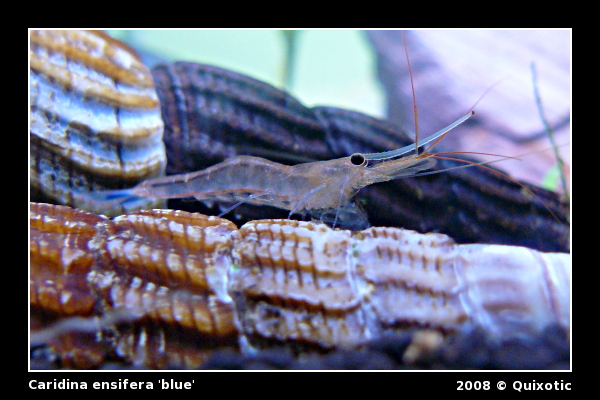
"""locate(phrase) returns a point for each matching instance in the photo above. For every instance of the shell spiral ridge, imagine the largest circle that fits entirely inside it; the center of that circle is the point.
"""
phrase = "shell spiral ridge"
(184, 276)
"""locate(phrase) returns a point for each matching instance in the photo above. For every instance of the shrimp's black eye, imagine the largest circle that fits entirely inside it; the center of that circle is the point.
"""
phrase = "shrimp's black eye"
(358, 160)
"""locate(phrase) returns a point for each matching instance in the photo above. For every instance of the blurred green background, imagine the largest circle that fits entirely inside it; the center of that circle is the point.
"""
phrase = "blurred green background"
(328, 67)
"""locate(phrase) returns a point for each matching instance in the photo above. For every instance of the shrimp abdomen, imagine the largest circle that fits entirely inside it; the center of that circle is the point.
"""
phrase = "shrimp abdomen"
(241, 178)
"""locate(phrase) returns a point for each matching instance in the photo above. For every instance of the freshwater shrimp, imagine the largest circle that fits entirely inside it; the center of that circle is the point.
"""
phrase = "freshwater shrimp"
(322, 189)
(316, 188)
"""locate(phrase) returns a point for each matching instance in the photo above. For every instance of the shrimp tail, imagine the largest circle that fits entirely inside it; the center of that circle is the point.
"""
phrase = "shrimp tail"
(109, 198)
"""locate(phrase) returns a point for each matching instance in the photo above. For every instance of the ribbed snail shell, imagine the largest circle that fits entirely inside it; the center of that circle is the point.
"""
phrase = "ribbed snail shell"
(168, 286)
(95, 118)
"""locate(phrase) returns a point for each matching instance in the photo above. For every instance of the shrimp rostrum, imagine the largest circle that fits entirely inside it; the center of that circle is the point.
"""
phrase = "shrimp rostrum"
(322, 189)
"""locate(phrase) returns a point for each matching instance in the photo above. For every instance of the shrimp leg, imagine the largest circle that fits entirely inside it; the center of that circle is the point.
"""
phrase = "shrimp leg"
(239, 203)
(305, 198)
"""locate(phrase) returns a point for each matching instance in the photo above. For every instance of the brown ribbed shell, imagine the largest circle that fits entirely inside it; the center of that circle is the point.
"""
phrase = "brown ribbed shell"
(160, 288)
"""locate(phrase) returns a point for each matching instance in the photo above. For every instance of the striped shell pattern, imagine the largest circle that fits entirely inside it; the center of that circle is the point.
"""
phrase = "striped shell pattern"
(277, 281)
(95, 118)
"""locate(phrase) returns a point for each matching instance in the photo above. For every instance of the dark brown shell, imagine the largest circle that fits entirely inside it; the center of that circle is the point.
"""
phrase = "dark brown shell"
(212, 113)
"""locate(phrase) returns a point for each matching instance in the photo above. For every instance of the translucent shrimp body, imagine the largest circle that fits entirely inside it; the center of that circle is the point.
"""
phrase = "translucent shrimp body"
(317, 188)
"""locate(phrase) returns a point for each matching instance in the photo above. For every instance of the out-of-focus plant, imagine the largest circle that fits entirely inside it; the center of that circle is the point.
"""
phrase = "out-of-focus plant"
(290, 42)
(557, 171)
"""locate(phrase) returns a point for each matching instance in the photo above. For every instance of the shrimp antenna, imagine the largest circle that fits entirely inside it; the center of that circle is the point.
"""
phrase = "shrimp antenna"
(414, 96)
(384, 155)
(436, 136)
